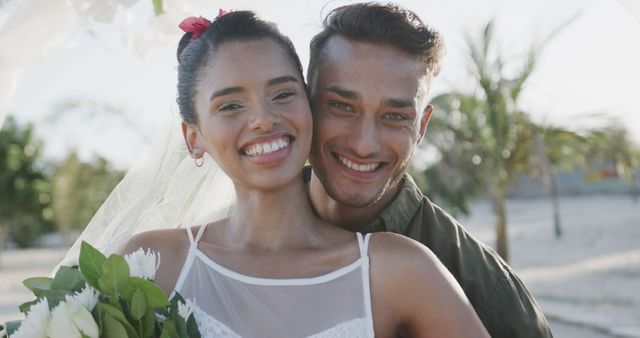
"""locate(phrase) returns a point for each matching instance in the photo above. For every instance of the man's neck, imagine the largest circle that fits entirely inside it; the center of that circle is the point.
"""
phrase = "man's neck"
(346, 217)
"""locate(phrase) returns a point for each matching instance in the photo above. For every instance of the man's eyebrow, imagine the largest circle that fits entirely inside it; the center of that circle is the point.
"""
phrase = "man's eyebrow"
(347, 94)
(398, 103)
(281, 79)
(226, 91)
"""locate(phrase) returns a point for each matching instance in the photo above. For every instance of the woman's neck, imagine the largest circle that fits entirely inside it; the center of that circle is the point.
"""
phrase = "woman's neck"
(272, 220)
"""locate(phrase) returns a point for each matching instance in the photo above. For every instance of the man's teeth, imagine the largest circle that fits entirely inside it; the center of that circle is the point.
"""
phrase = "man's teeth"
(267, 148)
(358, 167)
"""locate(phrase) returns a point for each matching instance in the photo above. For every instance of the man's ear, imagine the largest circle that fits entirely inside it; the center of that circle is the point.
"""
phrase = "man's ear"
(426, 115)
(191, 133)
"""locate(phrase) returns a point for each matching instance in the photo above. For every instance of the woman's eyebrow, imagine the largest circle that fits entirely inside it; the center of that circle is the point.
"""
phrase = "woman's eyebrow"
(226, 91)
(281, 79)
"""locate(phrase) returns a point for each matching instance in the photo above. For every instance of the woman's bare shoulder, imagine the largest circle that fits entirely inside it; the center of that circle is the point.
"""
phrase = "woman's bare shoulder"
(165, 240)
(394, 251)
(413, 290)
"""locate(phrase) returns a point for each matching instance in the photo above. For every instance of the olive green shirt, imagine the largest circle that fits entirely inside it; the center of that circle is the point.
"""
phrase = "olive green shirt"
(501, 300)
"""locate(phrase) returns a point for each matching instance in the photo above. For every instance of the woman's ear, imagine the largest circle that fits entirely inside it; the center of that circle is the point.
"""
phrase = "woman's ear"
(192, 138)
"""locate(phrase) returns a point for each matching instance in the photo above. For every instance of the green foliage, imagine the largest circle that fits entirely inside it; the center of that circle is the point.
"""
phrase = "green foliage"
(91, 262)
(115, 276)
(483, 138)
(157, 7)
(24, 190)
(127, 306)
(79, 189)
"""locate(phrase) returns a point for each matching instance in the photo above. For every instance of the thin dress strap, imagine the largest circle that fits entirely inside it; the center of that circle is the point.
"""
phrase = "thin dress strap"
(366, 289)
(194, 242)
(199, 234)
(363, 244)
(190, 235)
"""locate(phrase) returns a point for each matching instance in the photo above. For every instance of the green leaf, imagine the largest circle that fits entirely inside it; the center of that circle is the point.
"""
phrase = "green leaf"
(38, 285)
(91, 261)
(119, 316)
(12, 326)
(98, 314)
(25, 307)
(138, 305)
(169, 330)
(67, 279)
(157, 7)
(192, 328)
(55, 296)
(115, 275)
(148, 324)
(156, 298)
(181, 327)
(112, 327)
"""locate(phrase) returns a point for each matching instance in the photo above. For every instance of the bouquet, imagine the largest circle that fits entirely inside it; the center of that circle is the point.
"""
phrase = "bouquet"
(103, 297)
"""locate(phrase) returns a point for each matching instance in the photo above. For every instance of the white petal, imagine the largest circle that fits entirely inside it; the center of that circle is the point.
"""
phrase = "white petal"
(61, 325)
(84, 321)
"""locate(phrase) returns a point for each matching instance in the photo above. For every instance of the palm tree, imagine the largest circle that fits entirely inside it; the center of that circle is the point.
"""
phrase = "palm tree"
(613, 144)
(556, 149)
(484, 138)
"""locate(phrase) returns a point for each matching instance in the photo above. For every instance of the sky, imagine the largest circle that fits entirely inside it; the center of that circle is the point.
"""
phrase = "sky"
(98, 77)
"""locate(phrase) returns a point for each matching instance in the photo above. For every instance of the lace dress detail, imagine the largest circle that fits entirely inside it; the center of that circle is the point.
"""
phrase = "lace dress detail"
(355, 328)
(211, 327)
(233, 305)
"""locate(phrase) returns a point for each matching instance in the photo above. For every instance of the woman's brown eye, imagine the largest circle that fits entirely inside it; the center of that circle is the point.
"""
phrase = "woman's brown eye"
(230, 106)
(284, 95)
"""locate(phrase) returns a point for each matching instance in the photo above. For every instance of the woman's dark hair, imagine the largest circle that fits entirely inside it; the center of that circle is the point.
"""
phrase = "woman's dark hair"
(193, 55)
(381, 24)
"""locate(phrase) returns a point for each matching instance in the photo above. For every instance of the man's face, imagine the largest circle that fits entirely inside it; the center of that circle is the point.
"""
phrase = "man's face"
(370, 112)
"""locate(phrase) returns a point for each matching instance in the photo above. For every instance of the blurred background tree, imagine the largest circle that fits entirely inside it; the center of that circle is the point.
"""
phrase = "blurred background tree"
(78, 190)
(24, 190)
(612, 146)
(38, 196)
(483, 137)
(556, 150)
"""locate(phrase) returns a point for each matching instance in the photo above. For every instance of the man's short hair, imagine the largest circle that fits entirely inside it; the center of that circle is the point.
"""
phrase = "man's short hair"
(382, 24)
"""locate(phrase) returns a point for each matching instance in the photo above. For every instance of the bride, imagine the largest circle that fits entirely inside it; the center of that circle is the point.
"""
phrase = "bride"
(273, 268)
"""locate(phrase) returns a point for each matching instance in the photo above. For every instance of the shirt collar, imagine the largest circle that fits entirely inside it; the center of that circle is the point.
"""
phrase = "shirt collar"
(397, 216)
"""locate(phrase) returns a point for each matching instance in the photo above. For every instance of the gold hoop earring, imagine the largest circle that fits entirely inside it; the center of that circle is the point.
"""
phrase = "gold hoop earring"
(195, 159)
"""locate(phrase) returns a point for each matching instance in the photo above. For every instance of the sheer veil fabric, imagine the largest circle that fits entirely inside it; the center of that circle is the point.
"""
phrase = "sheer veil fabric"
(164, 190)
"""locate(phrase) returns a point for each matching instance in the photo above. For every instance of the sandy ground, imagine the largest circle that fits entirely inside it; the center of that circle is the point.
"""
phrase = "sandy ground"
(587, 282)
(590, 277)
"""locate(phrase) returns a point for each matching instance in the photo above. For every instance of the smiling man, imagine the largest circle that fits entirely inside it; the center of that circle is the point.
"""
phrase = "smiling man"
(369, 75)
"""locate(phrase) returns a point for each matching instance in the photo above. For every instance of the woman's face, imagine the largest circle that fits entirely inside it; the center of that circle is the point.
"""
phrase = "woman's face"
(253, 114)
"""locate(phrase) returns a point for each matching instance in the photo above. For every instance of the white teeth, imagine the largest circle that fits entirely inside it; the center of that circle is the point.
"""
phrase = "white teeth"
(267, 148)
(358, 167)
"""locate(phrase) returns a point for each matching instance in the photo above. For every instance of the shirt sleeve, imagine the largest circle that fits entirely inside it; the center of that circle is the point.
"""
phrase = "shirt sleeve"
(500, 298)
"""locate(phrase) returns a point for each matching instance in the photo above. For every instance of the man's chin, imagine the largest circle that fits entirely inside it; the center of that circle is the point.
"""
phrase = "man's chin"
(355, 201)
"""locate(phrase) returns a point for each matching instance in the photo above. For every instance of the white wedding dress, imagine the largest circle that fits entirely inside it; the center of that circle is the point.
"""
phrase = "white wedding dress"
(229, 304)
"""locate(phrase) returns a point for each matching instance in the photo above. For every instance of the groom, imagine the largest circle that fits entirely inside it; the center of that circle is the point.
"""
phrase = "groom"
(369, 74)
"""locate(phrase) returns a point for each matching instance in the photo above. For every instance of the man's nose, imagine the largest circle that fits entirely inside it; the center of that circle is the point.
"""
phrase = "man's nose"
(365, 138)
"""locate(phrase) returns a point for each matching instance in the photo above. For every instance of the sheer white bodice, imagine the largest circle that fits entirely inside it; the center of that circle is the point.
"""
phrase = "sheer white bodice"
(230, 304)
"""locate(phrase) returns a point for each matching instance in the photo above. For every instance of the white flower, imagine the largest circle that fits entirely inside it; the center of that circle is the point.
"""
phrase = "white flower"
(143, 264)
(3, 332)
(87, 297)
(185, 309)
(36, 322)
(71, 319)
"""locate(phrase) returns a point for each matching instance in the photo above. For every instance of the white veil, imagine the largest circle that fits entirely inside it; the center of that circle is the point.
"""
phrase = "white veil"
(164, 190)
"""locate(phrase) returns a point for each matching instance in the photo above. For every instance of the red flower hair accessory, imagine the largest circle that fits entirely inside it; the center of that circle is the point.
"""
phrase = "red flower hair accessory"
(194, 25)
